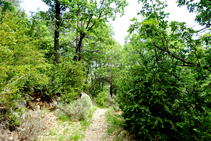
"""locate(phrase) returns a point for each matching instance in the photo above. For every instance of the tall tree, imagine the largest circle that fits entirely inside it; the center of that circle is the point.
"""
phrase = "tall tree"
(168, 72)
(89, 15)
(56, 11)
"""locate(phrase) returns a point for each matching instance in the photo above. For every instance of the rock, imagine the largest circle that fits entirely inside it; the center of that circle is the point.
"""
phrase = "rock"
(30, 104)
(38, 99)
(53, 104)
(37, 107)
(31, 98)
(24, 115)
(84, 95)
(43, 105)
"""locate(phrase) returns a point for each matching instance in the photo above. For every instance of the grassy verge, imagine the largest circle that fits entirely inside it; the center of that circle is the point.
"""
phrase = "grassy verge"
(115, 126)
(87, 122)
(115, 123)
(67, 128)
(75, 130)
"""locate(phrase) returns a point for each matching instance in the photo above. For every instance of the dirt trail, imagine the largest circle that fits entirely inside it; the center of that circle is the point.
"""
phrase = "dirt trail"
(98, 129)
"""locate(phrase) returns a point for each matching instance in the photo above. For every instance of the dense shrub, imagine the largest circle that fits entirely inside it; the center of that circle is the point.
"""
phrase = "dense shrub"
(67, 81)
(77, 110)
(104, 99)
(19, 70)
(165, 103)
(101, 99)
(27, 68)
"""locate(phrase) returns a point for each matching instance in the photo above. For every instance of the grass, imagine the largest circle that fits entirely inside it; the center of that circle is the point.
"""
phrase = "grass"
(77, 133)
(116, 126)
(74, 133)
(115, 123)
(70, 130)
(53, 132)
(63, 118)
(87, 122)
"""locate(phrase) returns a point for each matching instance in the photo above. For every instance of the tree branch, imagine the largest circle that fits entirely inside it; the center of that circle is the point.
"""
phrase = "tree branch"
(173, 55)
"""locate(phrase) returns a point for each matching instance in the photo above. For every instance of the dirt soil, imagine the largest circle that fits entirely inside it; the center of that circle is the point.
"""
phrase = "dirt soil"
(97, 131)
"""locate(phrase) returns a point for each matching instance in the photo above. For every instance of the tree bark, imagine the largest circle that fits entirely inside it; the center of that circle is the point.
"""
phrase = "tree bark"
(115, 91)
(56, 33)
(77, 57)
(111, 87)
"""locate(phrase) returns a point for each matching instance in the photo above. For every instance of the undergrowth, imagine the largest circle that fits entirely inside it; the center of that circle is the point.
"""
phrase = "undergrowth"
(115, 125)
(74, 118)
(31, 125)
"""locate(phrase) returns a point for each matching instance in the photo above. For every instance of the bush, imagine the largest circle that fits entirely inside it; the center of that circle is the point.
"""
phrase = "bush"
(104, 99)
(101, 98)
(10, 119)
(165, 104)
(31, 125)
(78, 110)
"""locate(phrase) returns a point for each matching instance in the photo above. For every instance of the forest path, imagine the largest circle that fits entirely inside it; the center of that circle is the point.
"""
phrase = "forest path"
(97, 131)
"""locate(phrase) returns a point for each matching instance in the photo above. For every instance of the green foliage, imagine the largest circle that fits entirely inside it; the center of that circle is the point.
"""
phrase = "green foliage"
(70, 80)
(19, 70)
(67, 81)
(163, 97)
(202, 8)
(101, 98)
(115, 126)
(104, 99)
(165, 104)
(76, 135)
(115, 122)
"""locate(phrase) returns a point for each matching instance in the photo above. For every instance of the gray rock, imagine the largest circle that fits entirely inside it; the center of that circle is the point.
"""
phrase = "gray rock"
(84, 95)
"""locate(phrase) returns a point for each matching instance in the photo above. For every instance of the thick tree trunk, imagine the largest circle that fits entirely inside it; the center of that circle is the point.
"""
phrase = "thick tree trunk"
(56, 33)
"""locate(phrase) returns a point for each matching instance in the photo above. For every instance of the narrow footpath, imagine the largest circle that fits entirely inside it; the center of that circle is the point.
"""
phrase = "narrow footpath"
(97, 131)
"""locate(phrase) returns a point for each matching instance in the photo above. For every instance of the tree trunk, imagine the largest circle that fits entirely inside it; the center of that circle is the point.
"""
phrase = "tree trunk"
(115, 90)
(56, 34)
(111, 87)
(77, 57)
